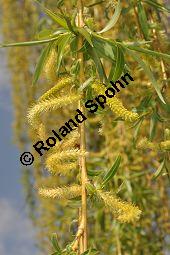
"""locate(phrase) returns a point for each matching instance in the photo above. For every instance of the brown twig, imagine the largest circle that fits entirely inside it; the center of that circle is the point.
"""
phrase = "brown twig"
(83, 237)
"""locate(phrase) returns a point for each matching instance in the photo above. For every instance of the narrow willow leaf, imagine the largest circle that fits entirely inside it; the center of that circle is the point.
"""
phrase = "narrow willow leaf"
(60, 31)
(85, 84)
(137, 43)
(109, 175)
(94, 172)
(112, 69)
(98, 63)
(148, 71)
(114, 18)
(157, 5)
(153, 124)
(85, 34)
(73, 18)
(44, 34)
(55, 17)
(104, 49)
(41, 62)
(90, 188)
(55, 242)
(137, 129)
(60, 3)
(109, 50)
(61, 47)
(31, 43)
(143, 20)
(96, 3)
(69, 24)
(146, 101)
(150, 52)
(75, 67)
(120, 62)
(90, 252)
(159, 170)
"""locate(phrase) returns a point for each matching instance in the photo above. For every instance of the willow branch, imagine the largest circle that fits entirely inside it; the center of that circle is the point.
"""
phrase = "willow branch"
(83, 169)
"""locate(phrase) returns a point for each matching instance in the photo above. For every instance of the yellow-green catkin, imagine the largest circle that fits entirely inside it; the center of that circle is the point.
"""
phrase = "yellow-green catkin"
(165, 145)
(50, 66)
(146, 144)
(61, 193)
(52, 93)
(115, 104)
(62, 161)
(50, 101)
(123, 211)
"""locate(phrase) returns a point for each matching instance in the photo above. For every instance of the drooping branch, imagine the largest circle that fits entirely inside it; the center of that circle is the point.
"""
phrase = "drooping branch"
(83, 224)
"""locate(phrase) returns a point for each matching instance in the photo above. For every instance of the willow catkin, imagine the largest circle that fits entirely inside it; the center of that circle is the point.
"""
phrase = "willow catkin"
(61, 193)
(144, 143)
(123, 211)
(52, 93)
(62, 161)
(165, 145)
(49, 105)
(115, 104)
(50, 66)
(50, 101)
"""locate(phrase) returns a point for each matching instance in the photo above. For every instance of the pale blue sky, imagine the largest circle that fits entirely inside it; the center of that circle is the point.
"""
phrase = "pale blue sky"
(16, 231)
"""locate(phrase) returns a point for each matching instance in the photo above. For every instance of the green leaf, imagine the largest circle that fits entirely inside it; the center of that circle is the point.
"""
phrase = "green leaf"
(104, 49)
(137, 43)
(137, 128)
(60, 31)
(90, 188)
(109, 50)
(75, 68)
(60, 3)
(73, 18)
(149, 73)
(157, 5)
(144, 104)
(69, 24)
(61, 47)
(90, 252)
(112, 70)
(55, 242)
(85, 84)
(56, 17)
(153, 124)
(97, 62)
(159, 170)
(111, 172)
(41, 61)
(114, 18)
(85, 34)
(44, 34)
(31, 43)
(120, 62)
(143, 20)
(150, 52)
(96, 3)
(94, 172)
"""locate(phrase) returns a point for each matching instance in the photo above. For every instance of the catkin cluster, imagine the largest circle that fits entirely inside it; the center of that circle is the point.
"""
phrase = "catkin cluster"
(63, 157)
